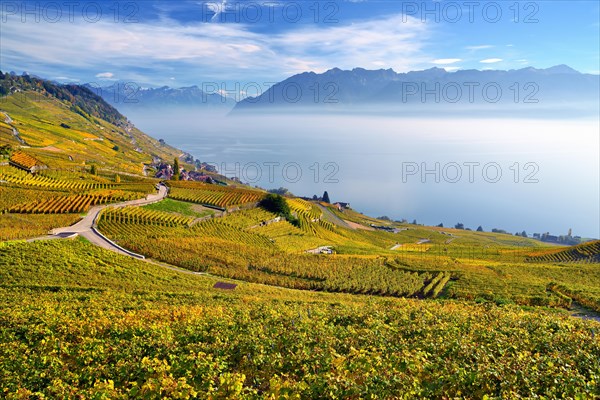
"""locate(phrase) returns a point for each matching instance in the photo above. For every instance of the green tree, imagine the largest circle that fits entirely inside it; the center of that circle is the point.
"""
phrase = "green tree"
(277, 204)
(176, 175)
(479, 229)
(93, 170)
(282, 191)
(326, 197)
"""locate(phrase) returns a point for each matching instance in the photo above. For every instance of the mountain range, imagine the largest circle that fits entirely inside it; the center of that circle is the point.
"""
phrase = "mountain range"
(360, 89)
(129, 95)
(336, 88)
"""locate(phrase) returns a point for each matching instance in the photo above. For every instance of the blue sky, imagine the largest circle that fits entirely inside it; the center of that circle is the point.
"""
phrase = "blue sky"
(182, 43)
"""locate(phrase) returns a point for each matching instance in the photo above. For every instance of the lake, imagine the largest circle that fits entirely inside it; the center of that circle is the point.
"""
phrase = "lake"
(537, 175)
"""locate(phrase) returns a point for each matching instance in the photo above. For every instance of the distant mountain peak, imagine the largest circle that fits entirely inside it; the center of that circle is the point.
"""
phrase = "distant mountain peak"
(562, 69)
(434, 69)
(334, 70)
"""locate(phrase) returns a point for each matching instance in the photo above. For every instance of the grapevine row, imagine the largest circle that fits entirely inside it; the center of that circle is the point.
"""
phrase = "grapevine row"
(65, 204)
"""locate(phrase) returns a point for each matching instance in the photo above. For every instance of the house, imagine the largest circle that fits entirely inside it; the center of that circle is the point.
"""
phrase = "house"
(342, 206)
(26, 162)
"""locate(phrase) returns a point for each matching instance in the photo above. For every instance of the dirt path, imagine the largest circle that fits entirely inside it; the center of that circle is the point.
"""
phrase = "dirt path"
(354, 225)
(578, 311)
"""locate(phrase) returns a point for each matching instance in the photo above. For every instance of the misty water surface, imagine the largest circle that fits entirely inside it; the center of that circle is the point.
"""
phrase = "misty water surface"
(514, 174)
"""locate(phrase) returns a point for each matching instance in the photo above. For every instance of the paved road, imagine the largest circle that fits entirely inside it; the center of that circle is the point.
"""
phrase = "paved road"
(85, 226)
(85, 229)
(334, 219)
(9, 120)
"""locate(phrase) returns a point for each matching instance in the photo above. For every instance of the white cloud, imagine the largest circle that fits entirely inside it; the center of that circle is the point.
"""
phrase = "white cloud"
(442, 61)
(480, 47)
(490, 60)
(223, 50)
(105, 75)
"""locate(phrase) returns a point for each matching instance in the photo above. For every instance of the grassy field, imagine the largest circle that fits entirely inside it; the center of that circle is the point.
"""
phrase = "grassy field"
(150, 332)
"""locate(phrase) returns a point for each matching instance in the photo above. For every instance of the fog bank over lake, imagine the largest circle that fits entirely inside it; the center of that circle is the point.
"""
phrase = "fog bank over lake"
(536, 175)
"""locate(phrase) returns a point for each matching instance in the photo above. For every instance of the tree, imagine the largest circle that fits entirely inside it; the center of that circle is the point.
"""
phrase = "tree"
(414, 222)
(459, 226)
(441, 225)
(524, 234)
(479, 229)
(281, 191)
(175, 176)
(326, 197)
(5, 150)
(278, 205)
(93, 170)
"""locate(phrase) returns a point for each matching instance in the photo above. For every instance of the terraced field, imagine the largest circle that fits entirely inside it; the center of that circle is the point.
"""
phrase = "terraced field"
(223, 197)
(586, 252)
(77, 203)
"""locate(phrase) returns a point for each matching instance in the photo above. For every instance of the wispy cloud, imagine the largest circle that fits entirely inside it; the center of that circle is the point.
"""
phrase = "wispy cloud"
(202, 50)
(490, 60)
(443, 61)
(479, 47)
(65, 79)
(105, 75)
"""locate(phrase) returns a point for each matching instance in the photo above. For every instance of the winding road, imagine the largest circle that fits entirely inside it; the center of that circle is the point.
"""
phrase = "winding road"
(8, 120)
(87, 226)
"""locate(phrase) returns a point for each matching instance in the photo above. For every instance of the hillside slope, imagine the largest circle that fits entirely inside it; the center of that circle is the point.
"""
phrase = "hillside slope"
(586, 252)
(69, 127)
